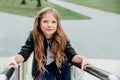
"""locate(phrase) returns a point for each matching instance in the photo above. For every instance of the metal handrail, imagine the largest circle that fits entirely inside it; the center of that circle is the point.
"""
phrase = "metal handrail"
(7, 73)
(10, 73)
(99, 73)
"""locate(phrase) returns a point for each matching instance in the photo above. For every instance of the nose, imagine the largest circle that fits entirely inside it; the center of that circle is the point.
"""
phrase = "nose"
(49, 24)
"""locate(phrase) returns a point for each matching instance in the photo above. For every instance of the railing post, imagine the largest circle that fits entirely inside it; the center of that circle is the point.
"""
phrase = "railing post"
(17, 73)
(23, 71)
(26, 69)
(72, 73)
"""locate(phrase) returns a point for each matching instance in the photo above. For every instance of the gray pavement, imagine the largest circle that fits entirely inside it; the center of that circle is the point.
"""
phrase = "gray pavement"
(13, 32)
(95, 38)
(87, 11)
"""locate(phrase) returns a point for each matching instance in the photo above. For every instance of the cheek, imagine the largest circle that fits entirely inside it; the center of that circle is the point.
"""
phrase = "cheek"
(42, 28)
(42, 25)
(56, 28)
(55, 25)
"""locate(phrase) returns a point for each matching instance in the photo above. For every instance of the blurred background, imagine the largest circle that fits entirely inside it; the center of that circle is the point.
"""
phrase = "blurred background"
(93, 27)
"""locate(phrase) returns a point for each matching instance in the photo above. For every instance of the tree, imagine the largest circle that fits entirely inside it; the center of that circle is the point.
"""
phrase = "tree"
(23, 2)
(39, 3)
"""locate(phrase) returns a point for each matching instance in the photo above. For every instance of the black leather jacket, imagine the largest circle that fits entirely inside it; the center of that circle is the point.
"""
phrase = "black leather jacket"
(28, 48)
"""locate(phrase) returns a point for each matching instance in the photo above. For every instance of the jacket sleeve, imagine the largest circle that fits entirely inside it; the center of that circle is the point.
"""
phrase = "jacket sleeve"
(69, 51)
(28, 47)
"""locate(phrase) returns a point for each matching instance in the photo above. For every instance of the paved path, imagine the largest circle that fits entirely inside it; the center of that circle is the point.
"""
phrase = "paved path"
(13, 30)
(93, 13)
(98, 37)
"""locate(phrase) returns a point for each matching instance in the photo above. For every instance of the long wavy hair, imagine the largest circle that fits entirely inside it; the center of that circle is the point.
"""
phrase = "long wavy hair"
(58, 43)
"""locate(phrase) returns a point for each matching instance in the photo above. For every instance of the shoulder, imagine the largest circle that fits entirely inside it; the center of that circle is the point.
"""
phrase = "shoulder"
(30, 37)
(30, 34)
(68, 43)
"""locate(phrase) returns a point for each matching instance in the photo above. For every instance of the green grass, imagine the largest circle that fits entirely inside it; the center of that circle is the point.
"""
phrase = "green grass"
(30, 9)
(106, 5)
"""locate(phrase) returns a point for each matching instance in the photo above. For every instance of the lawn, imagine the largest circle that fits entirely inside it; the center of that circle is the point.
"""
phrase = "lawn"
(106, 5)
(30, 9)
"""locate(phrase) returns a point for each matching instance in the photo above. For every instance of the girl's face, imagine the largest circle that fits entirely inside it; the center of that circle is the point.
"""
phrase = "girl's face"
(48, 25)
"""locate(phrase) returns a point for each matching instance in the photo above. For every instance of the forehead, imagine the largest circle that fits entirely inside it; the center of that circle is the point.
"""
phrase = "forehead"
(49, 16)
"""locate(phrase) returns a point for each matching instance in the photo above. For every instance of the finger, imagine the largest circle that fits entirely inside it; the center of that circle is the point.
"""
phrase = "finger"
(82, 66)
(12, 66)
(86, 65)
(16, 65)
(7, 65)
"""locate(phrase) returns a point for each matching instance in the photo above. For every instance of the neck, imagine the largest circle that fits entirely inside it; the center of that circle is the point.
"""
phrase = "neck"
(48, 37)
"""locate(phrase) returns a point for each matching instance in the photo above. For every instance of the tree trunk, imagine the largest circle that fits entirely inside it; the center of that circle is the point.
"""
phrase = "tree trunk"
(39, 3)
(23, 2)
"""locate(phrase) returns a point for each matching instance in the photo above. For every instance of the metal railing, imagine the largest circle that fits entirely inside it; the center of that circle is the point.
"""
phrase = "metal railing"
(97, 72)
(101, 74)
(10, 74)
(6, 74)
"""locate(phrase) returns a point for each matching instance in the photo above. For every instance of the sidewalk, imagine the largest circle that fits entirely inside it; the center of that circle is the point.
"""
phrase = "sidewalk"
(13, 32)
(91, 12)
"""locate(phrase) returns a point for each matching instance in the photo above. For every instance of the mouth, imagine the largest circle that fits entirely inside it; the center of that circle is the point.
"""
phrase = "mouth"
(49, 29)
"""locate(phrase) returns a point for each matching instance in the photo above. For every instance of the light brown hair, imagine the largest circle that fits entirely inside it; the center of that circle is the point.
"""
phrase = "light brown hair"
(58, 44)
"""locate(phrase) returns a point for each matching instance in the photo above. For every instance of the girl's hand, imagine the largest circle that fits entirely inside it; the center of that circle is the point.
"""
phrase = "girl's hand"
(11, 63)
(84, 63)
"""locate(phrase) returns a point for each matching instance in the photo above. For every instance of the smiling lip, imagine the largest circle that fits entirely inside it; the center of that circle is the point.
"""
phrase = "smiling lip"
(48, 29)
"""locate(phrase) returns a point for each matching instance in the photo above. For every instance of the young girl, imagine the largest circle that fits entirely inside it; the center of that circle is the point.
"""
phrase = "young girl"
(53, 52)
